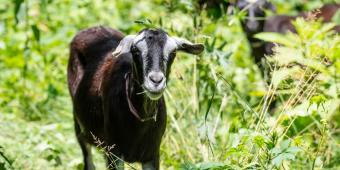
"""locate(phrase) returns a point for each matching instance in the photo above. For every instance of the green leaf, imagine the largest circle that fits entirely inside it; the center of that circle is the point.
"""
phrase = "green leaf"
(146, 22)
(36, 32)
(317, 65)
(286, 55)
(259, 140)
(17, 6)
(326, 28)
(282, 74)
(318, 100)
(293, 149)
(277, 161)
(283, 39)
(213, 166)
(284, 144)
(209, 104)
(275, 151)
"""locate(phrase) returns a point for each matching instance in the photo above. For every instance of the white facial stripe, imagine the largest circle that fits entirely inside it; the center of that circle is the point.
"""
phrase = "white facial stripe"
(142, 46)
(138, 37)
(170, 45)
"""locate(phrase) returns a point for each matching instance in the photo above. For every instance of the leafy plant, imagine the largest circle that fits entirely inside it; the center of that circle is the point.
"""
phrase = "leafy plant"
(219, 114)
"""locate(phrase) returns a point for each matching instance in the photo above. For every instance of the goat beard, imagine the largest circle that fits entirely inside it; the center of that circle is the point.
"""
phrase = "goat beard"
(150, 107)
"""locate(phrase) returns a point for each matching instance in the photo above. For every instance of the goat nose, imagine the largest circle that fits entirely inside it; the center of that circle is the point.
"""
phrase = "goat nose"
(156, 77)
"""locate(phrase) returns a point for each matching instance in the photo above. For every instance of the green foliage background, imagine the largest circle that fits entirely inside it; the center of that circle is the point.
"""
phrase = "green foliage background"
(218, 102)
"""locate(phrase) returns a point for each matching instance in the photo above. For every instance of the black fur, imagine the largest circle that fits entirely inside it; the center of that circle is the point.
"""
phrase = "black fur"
(97, 83)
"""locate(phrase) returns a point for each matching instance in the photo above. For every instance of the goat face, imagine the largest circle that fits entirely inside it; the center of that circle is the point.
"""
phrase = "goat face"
(153, 52)
(256, 13)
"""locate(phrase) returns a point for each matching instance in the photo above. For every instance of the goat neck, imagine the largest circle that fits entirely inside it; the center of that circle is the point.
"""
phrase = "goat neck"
(140, 105)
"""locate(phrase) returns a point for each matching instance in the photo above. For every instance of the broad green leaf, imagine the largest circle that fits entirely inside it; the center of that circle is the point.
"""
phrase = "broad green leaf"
(277, 161)
(284, 144)
(283, 39)
(326, 28)
(213, 166)
(312, 63)
(286, 55)
(293, 149)
(275, 151)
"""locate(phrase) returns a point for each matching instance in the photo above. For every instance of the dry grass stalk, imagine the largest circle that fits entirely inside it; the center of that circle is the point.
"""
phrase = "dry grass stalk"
(107, 150)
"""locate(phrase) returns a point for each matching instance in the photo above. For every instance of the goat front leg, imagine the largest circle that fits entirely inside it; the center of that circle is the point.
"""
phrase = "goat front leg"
(114, 159)
(85, 148)
(151, 165)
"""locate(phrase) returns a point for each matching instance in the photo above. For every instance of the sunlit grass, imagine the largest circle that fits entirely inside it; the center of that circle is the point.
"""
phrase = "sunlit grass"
(220, 111)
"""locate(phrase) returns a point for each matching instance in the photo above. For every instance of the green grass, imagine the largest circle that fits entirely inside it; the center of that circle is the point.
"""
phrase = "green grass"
(218, 102)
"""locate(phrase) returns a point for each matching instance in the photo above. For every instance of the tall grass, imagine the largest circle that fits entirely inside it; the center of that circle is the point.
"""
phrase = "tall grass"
(220, 110)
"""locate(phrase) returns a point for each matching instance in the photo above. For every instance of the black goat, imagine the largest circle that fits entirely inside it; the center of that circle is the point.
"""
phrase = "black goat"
(255, 17)
(254, 23)
(116, 84)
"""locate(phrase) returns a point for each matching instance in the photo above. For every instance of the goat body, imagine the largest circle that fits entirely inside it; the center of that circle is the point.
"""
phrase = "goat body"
(97, 83)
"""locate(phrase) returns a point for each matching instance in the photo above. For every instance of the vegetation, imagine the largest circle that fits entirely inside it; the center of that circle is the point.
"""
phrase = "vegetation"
(222, 114)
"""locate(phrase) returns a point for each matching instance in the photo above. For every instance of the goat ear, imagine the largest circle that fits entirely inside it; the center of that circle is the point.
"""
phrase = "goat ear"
(188, 47)
(124, 45)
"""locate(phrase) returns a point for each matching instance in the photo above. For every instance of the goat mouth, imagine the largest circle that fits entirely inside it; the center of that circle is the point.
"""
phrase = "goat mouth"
(154, 95)
(154, 92)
